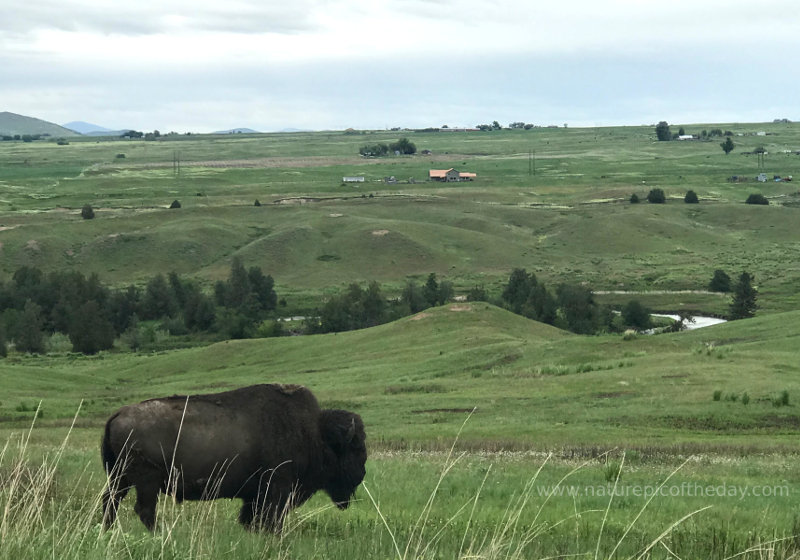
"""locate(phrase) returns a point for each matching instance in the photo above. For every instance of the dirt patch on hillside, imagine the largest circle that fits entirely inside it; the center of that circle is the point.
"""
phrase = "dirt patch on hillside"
(460, 308)
(6, 228)
(380, 232)
(612, 394)
(420, 316)
(33, 245)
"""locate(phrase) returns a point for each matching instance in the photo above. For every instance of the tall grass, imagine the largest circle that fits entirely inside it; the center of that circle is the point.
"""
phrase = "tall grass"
(48, 510)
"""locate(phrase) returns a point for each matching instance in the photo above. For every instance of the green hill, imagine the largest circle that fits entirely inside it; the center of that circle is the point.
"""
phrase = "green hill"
(12, 124)
(415, 380)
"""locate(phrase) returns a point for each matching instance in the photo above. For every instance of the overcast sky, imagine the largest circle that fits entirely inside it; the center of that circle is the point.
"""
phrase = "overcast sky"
(197, 65)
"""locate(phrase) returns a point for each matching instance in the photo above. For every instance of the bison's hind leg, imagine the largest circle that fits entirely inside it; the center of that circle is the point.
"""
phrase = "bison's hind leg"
(146, 502)
(112, 496)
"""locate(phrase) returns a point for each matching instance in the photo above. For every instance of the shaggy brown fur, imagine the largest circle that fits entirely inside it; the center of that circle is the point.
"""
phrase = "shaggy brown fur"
(269, 445)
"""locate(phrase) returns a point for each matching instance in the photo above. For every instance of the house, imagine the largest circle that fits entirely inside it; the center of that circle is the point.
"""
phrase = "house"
(450, 175)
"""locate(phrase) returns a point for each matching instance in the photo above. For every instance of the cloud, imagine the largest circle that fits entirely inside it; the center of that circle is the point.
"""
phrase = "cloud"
(203, 66)
(146, 17)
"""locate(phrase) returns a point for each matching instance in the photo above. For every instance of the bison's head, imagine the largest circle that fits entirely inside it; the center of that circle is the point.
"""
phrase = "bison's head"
(343, 433)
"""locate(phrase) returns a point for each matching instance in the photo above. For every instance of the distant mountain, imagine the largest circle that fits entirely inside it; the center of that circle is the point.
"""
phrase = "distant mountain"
(107, 132)
(82, 127)
(11, 124)
(237, 131)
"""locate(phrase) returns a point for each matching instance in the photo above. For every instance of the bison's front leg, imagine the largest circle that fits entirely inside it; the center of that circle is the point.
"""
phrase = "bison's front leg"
(262, 517)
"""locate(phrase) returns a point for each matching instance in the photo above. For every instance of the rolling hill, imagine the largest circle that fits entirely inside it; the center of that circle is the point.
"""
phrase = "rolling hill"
(11, 124)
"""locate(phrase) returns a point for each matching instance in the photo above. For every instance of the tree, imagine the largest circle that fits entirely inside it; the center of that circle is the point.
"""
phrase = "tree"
(175, 204)
(413, 298)
(691, 198)
(757, 198)
(681, 131)
(90, 331)
(29, 336)
(727, 146)
(720, 282)
(656, 196)
(374, 150)
(636, 315)
(579, 309)
(3, 347)
(403, 146)
(430, 290)
(634, 198)
(662, 132)
(517, 290)
(87, 212)
(743, 305)
(158, 300)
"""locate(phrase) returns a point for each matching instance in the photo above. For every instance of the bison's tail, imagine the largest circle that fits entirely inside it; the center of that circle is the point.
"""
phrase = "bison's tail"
(107, 454)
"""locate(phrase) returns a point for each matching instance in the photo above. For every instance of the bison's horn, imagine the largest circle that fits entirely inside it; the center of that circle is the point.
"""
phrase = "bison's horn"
(351, 431)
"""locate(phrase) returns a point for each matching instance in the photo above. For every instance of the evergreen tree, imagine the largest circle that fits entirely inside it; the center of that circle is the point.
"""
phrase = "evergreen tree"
(579, 309)
(727, 146)
(29, 336)
(720, 282)
(518, 289)
(158, 300)
(656, 196)
(743, 305)
(90, 331)
(412, 297)
(3, 346)
(262, 288)
(430, 290)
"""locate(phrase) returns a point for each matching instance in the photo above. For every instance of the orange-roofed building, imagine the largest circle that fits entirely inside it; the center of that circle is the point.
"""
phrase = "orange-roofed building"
(450, 175)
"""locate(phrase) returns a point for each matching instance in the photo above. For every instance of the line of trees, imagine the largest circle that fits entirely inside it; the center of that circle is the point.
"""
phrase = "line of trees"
(35, 305)
(403, 146)
(571, 307)
(360, 308)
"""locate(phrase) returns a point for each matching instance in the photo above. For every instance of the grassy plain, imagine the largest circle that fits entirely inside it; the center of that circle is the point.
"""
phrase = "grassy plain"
(541, 397)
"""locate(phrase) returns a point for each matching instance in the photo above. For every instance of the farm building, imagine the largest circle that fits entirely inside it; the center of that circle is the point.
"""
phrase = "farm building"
(450, 175)
(353, 179)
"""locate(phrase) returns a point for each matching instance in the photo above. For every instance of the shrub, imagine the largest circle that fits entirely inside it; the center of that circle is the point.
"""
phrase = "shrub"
(757, 198)
(120, 156)
(745, 398)
(87, 212)
(717, 395)
(634, 198)
(656, 196)
(175, 204)
(691, 198)
(257, 203)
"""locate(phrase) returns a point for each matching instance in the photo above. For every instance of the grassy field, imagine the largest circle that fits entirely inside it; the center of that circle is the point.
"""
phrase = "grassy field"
(710, 413)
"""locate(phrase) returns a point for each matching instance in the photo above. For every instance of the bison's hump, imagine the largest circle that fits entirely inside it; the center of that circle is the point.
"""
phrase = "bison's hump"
(289, 388)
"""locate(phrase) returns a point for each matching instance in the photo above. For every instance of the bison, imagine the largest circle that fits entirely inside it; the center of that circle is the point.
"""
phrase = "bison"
(269, 445)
